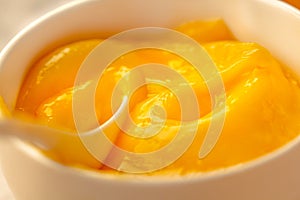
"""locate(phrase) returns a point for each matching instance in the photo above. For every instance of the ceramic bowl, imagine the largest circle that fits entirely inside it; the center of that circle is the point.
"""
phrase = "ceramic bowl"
(33, 176)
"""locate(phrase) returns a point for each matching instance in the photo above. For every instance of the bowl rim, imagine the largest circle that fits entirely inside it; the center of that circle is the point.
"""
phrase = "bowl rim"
(34, 153)
(13, 41)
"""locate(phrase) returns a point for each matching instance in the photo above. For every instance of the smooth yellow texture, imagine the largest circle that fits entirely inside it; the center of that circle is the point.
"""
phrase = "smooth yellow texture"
(4, 112)
(263, 98)
(53, 73)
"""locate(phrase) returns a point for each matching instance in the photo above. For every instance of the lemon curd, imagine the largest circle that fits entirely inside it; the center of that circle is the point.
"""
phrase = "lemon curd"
(262, 98)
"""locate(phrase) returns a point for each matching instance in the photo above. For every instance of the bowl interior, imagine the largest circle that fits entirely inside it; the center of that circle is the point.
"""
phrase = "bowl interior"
(274, 25)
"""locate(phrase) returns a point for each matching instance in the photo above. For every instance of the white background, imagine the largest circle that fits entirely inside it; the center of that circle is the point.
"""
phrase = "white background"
(14, 15)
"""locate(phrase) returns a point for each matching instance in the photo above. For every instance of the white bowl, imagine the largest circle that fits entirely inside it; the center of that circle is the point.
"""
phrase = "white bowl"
(32, 176)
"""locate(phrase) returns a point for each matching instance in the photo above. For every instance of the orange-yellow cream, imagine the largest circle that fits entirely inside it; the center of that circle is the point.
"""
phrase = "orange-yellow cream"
(263, 97)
